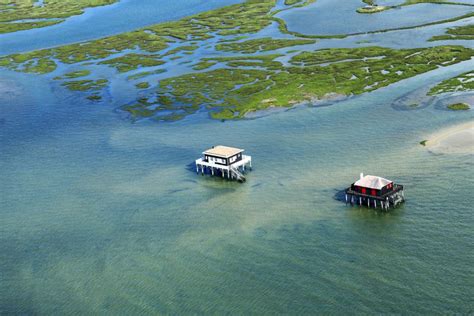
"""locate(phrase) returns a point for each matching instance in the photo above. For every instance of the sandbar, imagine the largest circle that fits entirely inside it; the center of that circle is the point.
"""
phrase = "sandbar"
(456, 139)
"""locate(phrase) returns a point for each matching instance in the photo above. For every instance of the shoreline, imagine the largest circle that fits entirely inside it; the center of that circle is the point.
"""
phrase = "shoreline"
(457, 139)
(326, 100)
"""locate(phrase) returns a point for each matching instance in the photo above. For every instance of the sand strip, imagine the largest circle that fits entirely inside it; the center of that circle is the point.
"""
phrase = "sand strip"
(457, 139)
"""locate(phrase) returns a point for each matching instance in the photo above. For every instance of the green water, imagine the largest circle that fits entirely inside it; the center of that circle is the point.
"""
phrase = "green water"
(103, 216)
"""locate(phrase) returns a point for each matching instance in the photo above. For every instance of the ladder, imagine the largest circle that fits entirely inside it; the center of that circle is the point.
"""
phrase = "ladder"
(238, 175)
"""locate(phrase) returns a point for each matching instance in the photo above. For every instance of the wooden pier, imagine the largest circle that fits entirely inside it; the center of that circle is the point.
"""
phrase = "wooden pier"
(375, 192)
(224, 161)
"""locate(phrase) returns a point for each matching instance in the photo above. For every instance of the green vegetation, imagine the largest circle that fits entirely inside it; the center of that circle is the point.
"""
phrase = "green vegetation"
(261, 45)
(142, 85)
(144, 108)
(28, 14)
(185, 49)
(74, 74)
(133, 61)
(39, 66)
(373, 9)
(204, 65)
(292, 2)
(232, 39)
(85, 85)
(240, 84)
(260, 61)
(459, 107)
(298, 3)
(465, 32)
(15, 27)
(230, 93)
(248, 17)
(146, 74)
(463, 82)
(94, 98)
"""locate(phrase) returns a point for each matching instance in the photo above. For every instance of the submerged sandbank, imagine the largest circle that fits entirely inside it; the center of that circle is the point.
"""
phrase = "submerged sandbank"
(457, 139)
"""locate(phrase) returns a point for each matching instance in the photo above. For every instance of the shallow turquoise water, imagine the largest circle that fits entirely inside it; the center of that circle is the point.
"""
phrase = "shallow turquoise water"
(99, 214)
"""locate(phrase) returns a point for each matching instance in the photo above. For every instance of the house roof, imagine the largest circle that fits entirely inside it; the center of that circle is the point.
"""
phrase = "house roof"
(223, 151)
(372, 182)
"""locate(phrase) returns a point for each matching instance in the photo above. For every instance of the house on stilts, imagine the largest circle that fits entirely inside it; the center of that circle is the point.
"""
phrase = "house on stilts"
(375, 191)
(227, 162)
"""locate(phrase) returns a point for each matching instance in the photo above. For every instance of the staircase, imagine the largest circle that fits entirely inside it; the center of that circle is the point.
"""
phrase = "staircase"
(237, 174)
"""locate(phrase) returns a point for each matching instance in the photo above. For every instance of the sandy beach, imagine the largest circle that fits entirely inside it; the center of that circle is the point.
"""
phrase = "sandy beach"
(457, 139)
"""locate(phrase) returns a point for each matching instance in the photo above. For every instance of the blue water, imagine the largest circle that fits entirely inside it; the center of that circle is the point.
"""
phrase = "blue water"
(326, 17)
(123, 16)
(102, 215)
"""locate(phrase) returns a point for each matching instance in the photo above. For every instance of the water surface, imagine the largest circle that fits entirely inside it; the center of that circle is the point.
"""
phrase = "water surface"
(126, 15)
(324, 17)
(101, 215)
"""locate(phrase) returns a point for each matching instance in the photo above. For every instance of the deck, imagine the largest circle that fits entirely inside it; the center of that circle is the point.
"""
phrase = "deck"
(246, 160)
(391, 198)
(396, 188)
(234, 171)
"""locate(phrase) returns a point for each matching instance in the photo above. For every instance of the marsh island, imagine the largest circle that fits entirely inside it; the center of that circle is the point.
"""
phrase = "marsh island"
(258, 73)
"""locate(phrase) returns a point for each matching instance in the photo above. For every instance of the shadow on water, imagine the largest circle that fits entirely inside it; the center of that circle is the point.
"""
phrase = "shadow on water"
(191, 167)
(340, 195)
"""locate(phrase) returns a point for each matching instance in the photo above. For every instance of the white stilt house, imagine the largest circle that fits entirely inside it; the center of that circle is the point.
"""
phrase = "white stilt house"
(229, 162)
